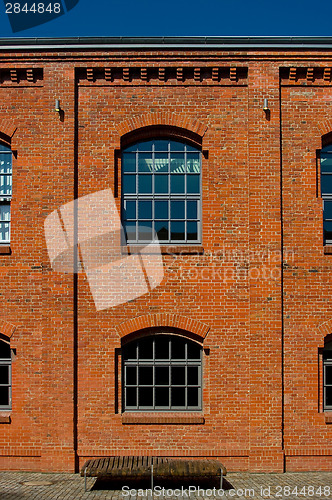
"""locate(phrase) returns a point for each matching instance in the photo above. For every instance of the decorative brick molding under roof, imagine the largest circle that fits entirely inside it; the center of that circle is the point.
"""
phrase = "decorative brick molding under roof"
(163, 320)
(17, 76)
(305, 76)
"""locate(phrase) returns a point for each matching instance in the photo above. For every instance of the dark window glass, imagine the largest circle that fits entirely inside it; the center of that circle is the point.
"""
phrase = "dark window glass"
(146, 348)
(129, 183)
(192, 233)
(161, 184)
(328, 375)
(161, 163)
(162, 397)
(326, 163)
(4, 350)
(130, 352)
(177, 183)
(161, 209)
(178, 348)
(145, 231)
(192, 375)
(177, 210)
(194, 351)
(193, 163)
(161, 145)
(328, 230)
(129, 162)
(145, 375)
(131, 374)
(177, 229)
(191, 209)
(130, 228)
(4, 396)
(144, 146)
(161, 375)
(4, 374)
(178, 375)
(326, 184)
(130, 209)
(162, 348)
(145, 209)
(145, 163)
(178, 163)
(145, 184)
(192, 396)
(145, 396)
(178, 395)
(161, 228)
(193, 183)
(328, 396)
(131, 396)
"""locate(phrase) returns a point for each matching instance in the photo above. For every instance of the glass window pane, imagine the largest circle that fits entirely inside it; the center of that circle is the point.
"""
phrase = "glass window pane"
(192, 184)
(145, 231)
(161, 375)
(177, 146)
(4, 396)
(145, 146)
(131, 396)
(193, 351)
(161, 145)
(192, 395)
(193, 163)
(145, 209)
(130, 210)
(4, 231)
(178, 396)
(192, 234)
(177, 163)
(328, 374)
(178, 375)
(161, 184)
(177, 231)
(145, 184)
(3, 147)
(130, 351)
(129, 184)
(131, 375)
(178, 348)
(130, 229)
(161, 209)
(145, 162)
(191, 209)
(5, 163)
(146, 348)
(161, 228)
(327, 209)
(131, 148)
(326, 163)
(145, 396)
(5, 185)
(192, 375)
(162, 396)
(4, 374)
(326, 184)
(129, 162)
(162, 348)
(328, 230)
(161, 162)
(177, 209)
(191, 148)
(145, 375)
(177, 183)
(4, 350)
(328, 395)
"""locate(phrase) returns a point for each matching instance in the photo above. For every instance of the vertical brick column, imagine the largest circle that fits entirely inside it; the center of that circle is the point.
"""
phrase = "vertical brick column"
(265, 409)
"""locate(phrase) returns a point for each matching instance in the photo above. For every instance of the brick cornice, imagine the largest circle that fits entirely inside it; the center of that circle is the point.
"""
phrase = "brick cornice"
(163, 320)
(6, 328)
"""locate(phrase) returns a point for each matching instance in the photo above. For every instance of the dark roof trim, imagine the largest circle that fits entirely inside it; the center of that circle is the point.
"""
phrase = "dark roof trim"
(208, 42)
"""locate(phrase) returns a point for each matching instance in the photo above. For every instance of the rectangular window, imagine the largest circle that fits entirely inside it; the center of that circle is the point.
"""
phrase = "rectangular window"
(5, 376)
(5, 192)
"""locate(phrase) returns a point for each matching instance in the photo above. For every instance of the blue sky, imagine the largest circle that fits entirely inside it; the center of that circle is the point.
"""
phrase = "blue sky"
(182, 18)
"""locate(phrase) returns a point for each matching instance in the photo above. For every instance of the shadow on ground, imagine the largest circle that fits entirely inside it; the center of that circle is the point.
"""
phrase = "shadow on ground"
(145, 484)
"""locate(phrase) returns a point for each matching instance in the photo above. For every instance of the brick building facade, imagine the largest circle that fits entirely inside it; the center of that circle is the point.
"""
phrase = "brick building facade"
(243, 307)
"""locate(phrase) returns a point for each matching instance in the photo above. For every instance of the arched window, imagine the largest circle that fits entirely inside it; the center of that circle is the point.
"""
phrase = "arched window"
(161, 192)
(326, 191)
(327, 376)
(5, 192)
(5, 376)
(162, 372)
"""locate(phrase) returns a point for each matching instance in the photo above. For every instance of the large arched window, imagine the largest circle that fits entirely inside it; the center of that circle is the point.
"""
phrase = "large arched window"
(161, 192)
(327, 376)
(5, 376)
(162, 372)
(5, 192)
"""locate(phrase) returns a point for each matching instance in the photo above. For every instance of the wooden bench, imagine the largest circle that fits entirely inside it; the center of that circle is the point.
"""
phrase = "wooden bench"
(133, 468)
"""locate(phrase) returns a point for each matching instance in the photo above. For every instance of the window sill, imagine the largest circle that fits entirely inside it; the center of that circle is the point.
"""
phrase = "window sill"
(163, 418)
(165, 249)
(5, 417)
(5, 249)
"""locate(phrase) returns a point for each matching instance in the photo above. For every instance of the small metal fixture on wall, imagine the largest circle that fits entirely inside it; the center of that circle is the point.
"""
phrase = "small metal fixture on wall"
(57, 106)
(266, 108)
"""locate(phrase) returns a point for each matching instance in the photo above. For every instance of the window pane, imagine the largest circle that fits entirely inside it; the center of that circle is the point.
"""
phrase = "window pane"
(145, 231)
(161, 184)
(4, 396)
(4, 231)
(192, 395)
(161, 228)
(130, 351)
(162, 396)
(328, 374)
(4, 374)
(193, 163)
(129, 162)
(177, 183)
(4, 350)
(178, 348)
(193, 183)
(328, 395)
(192, 375)
(161, 145)
(177, 146)
(129, 184)
(191, 209)
(326, 184)
(5, 185)
(145, 209)
(178, 376)
(144, 184)
(130, 228)
(130, 210)
(131, 396)
(177, 209)
(131, 375)
(145, 375)
(5, 163)
(161, 209)
(177, 231)
(193, 351)
(326, 163)
(146, 349)
(177, 163)
(145, 146)
(161, 162)
(178, 397)
(161, 375)
(192, 231)
(145, 396)
(327, 230)
(162, 348)
(145, 162)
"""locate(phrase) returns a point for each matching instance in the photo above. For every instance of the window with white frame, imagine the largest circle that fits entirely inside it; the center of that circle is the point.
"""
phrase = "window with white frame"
(161, 192)
(5, 376)
(5, 192)
(162, 373)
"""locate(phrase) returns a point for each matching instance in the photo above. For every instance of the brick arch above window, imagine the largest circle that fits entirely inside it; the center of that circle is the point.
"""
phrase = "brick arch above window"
(177, 321)
(6, 329)
(7, 129)
(324, 127)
